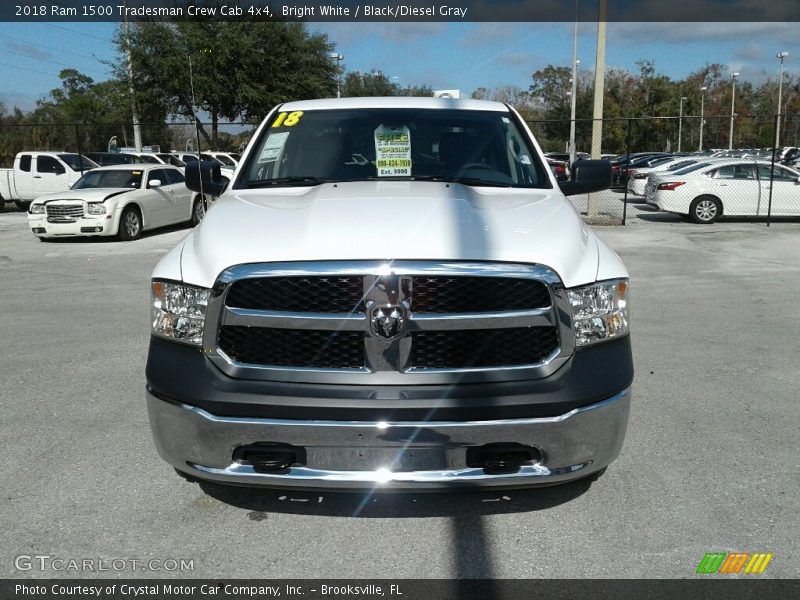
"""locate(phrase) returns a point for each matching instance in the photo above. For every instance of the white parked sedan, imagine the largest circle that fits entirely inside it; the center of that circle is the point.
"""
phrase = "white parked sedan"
(637, 179)
(120, 200)
(736, 187)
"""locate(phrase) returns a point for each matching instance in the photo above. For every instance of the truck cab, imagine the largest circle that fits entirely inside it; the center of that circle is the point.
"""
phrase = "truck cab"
(39, 173)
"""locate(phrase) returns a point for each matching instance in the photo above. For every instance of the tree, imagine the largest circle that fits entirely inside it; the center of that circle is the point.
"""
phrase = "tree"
(375, 83)
(230, 70)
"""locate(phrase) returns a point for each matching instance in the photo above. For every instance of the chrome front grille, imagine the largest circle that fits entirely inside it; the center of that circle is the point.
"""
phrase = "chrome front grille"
(388, 323)
(64, 212)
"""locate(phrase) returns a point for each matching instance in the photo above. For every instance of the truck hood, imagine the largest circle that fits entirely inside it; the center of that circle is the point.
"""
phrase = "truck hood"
(385, 220)
(86, 195)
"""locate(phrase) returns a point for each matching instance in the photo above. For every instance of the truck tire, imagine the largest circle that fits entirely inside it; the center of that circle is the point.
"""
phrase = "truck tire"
(130, 224)
(22, 205)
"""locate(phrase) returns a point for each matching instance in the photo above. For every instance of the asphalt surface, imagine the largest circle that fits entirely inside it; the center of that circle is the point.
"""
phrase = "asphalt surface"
(710, 462)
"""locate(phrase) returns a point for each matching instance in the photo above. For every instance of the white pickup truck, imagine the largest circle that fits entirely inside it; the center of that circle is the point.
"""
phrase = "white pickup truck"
(390, 293)
(38, 173)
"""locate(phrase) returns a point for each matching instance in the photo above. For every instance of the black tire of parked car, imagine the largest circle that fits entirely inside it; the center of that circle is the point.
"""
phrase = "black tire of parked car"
(130, 224)
(705, 209)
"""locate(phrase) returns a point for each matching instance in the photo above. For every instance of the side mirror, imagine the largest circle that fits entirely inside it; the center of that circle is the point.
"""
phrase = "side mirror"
(205, 176)
(154, 183)
(588, 176)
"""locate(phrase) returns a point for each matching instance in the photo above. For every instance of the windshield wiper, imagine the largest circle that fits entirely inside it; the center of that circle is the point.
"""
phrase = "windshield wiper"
(288, 181)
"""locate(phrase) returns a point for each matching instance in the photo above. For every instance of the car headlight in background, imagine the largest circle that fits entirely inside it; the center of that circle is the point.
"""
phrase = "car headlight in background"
(96, 208)
(179, 311)
(599, 311)
(37, 209)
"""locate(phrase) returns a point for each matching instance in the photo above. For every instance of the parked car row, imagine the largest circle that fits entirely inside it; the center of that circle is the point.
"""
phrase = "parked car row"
(710, 188)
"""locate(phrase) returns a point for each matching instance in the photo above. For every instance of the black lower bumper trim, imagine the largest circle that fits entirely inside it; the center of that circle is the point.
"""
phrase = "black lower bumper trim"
(182, 374)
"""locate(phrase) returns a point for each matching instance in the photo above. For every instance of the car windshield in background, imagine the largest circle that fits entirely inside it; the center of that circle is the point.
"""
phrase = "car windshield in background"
(171, 160)
(109, 179)
(466, 146)
(78, 163)
(225, 160)
(150, 160)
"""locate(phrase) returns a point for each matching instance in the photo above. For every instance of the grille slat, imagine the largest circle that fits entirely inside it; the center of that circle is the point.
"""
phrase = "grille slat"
(64, 211)
(505, 336)
(438, 294)
(293, 348)
(485, 348)
(328, 294)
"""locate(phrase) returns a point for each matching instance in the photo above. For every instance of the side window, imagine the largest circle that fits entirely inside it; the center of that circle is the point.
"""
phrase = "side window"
(734, 172)
(782, 174)
(157, 174)
(48, 164)
(174, 176)
(25, 163)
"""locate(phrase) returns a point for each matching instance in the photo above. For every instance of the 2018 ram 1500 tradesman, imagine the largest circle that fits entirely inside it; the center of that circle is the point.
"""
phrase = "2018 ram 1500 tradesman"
(390, 293)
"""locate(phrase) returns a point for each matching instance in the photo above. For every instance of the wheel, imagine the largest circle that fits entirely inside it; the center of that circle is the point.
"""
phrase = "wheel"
(130, 224)
(705, 209)
(198, 210)
(22, 205)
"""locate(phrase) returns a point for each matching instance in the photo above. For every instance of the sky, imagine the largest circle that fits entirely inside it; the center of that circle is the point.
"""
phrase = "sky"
(461, 56)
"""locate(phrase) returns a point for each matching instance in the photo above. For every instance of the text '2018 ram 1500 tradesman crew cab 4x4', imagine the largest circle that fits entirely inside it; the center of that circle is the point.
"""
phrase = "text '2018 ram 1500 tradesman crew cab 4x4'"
(391, 293)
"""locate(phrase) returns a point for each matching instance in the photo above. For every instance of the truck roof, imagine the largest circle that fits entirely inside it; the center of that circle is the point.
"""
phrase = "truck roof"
(395, 102)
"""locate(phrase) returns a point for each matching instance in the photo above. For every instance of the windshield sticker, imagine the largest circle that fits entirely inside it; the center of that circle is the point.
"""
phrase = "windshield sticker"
(272, 147)
(288, 119)
(524, 159)
(393, 151)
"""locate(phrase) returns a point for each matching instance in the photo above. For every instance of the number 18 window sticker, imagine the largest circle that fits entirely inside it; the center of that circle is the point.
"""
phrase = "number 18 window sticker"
(393, 151)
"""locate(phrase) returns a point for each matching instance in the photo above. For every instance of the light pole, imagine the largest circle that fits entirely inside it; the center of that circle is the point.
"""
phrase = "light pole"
(680, 120)
(338, 58)
(575, 63)
(733, 115)
(599, 87)
(780, 56)
(702, 113)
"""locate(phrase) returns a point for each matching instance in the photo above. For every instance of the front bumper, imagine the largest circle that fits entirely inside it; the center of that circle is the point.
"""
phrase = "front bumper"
(383, 455)
(82, 226)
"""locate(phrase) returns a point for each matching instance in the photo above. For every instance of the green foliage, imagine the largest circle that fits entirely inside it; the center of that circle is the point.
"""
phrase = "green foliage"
(229, 70)
(375, 83)
(653, 99)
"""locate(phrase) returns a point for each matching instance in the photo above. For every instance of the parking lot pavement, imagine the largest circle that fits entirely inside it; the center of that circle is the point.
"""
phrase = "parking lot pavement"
(710, 462)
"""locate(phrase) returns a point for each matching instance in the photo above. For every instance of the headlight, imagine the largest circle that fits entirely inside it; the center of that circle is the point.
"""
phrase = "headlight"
(37, 209)
(179, 311)
(97, 208)
(599, 311)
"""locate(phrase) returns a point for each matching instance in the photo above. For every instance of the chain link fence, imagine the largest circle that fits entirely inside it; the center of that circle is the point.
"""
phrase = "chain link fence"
(699, 168)
(652, 158)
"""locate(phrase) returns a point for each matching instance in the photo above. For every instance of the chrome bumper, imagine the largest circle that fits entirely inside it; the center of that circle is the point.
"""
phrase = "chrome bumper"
(401, 455)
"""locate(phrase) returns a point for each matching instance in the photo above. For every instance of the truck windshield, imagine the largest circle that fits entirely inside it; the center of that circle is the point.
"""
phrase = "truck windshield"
(468, 146)
(78, 163)
(109, 179)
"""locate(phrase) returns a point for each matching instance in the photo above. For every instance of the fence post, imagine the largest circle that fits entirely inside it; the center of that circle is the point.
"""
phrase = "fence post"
(772, 174)
(80, 150)
(627, 161)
